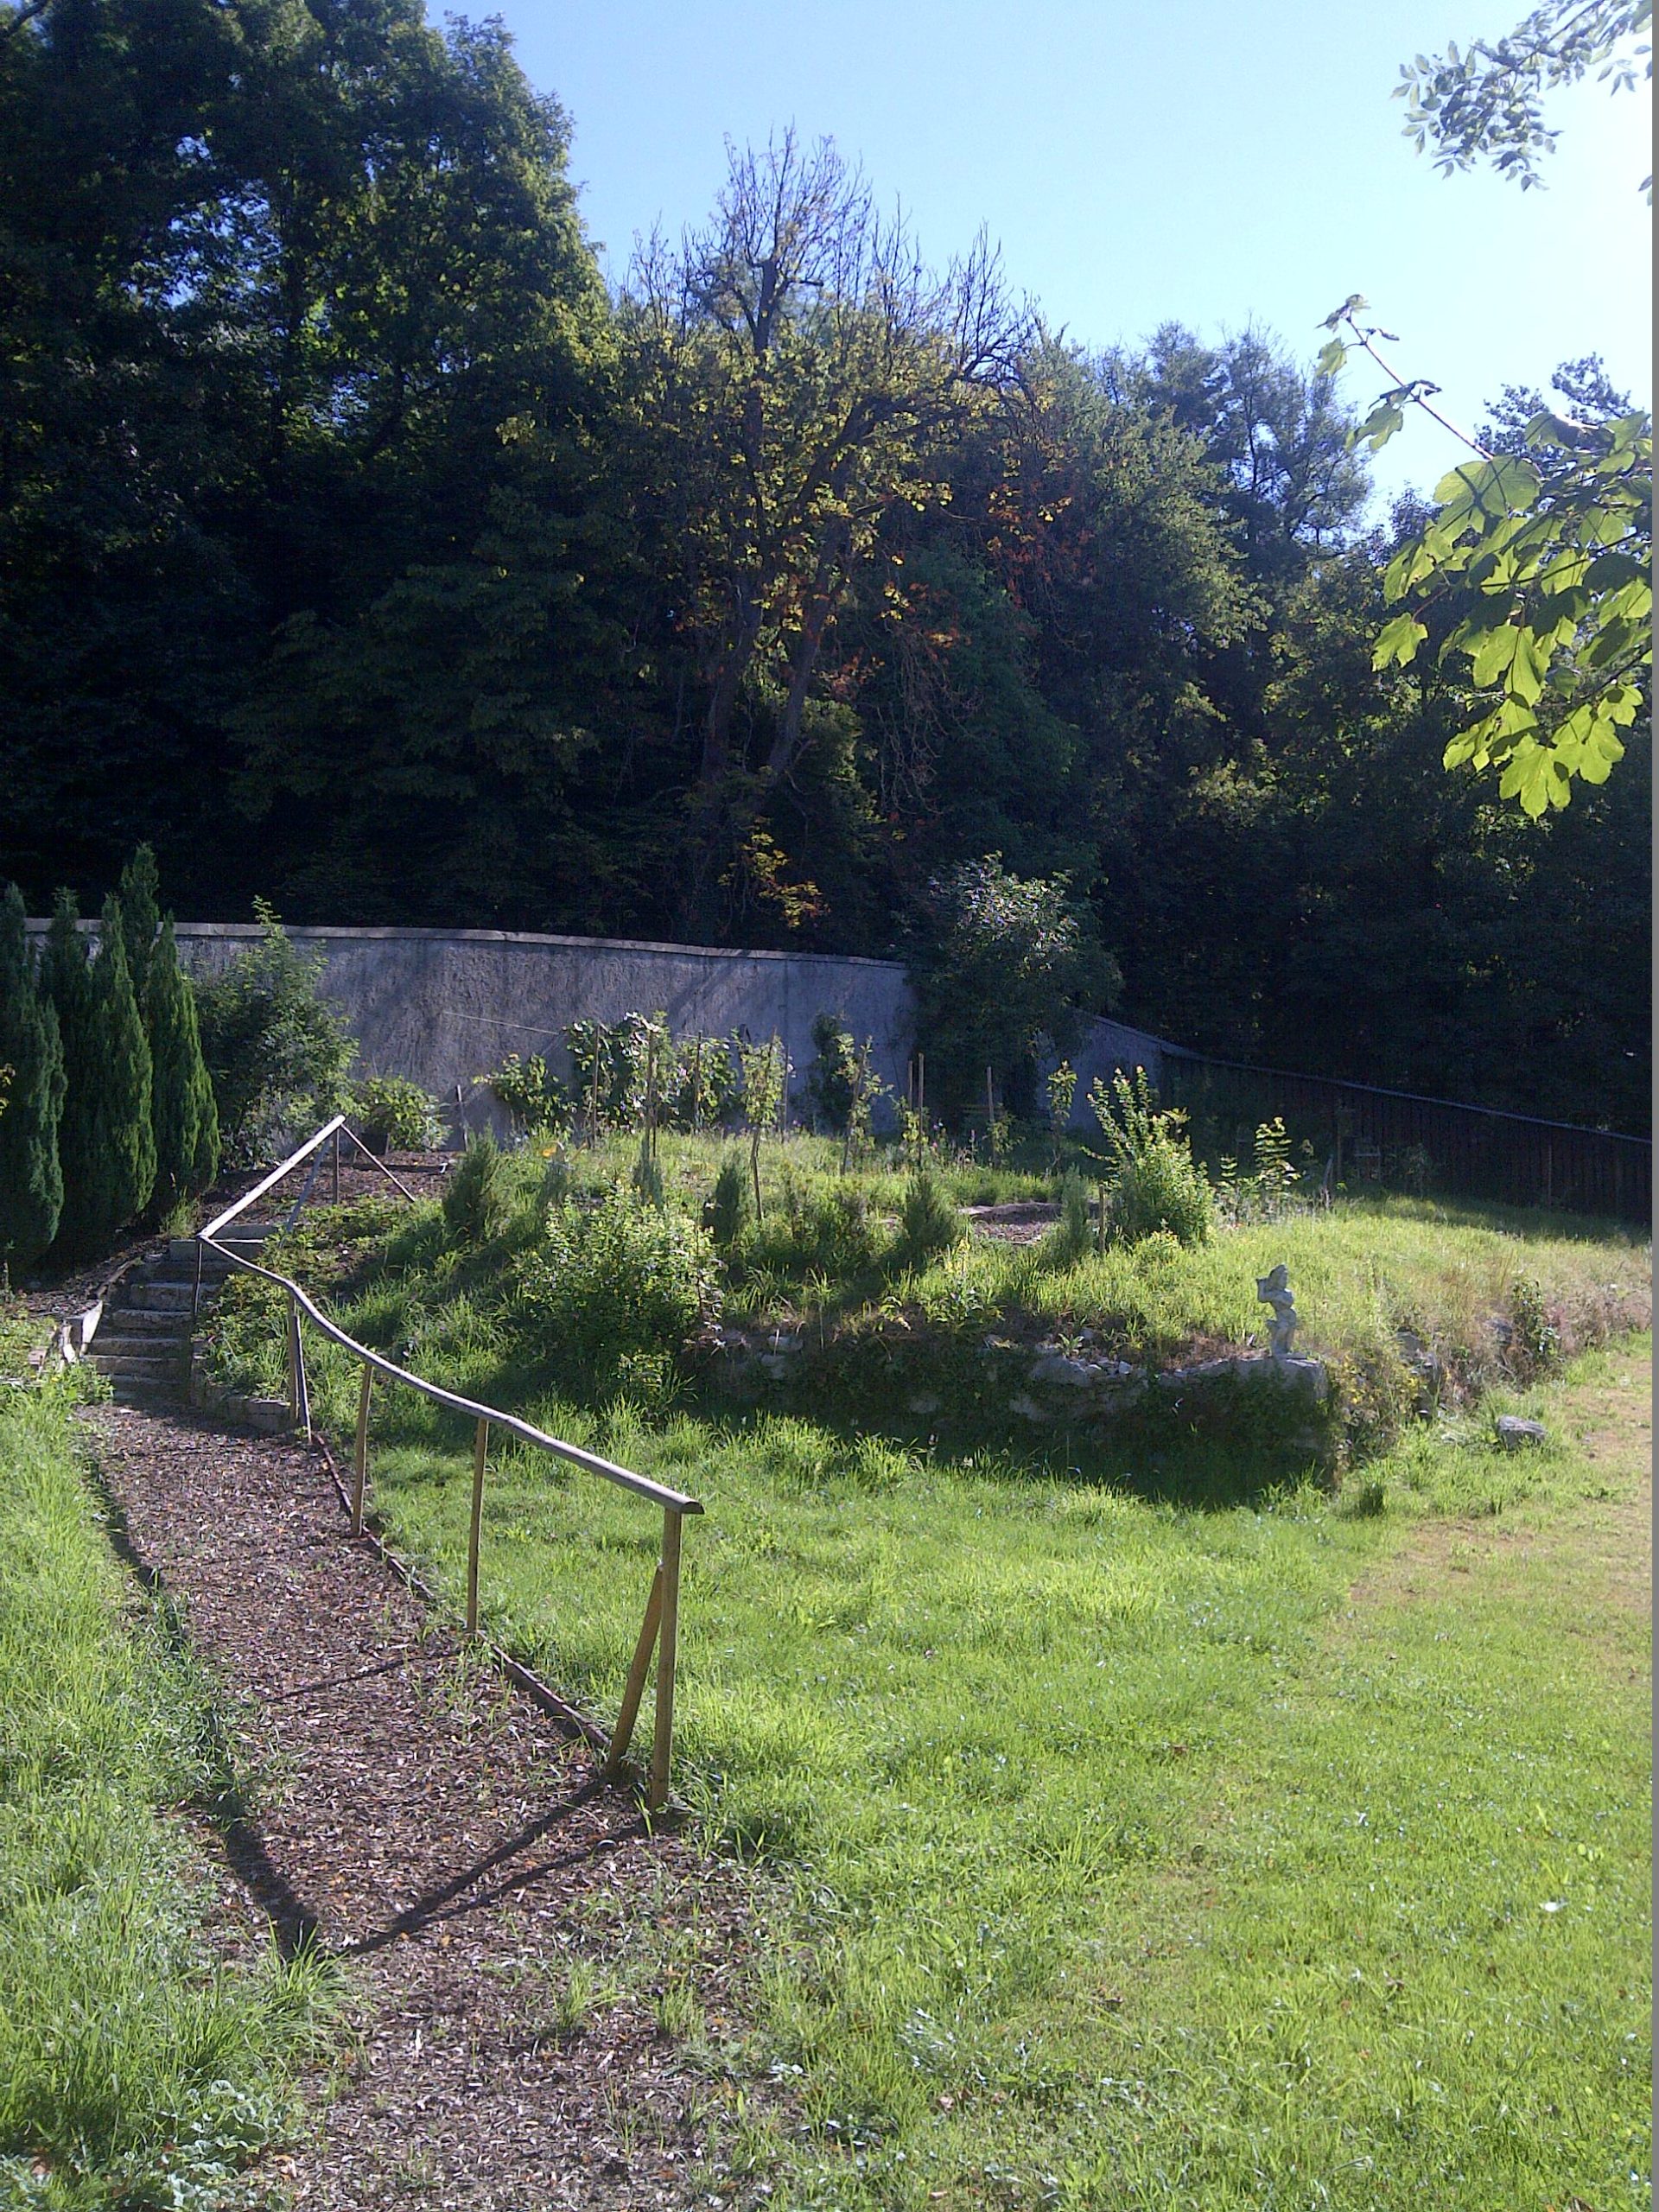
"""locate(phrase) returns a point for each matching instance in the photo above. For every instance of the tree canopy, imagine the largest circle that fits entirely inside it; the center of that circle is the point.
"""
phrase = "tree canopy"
(361, 549)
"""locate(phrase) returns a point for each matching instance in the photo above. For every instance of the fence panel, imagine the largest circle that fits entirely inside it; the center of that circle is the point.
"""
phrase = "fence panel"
(1395, 1137)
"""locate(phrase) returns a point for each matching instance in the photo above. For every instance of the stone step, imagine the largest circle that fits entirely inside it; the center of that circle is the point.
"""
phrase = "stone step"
(129, 1367)
(146, 1297)
(237, 1239)
(130, 1390)
(138, 1321)
(117, 1344)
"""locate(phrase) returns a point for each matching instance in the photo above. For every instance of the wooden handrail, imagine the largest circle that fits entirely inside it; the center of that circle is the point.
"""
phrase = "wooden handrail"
(660, 1625)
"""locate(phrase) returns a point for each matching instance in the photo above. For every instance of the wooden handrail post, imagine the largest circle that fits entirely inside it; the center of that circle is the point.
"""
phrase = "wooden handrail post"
(293, 1364)
(302, 1388)
(662, 1744)
(360, 1456)
(480, 1446)
(622, 1734)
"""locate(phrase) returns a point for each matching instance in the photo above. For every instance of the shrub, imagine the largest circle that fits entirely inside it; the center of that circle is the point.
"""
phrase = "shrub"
(1000, 964)
(115, 1170)
(394, 1111)
(183, 1114)
(619, 1279)
(534, 1098)
(728, 1208)
(31, 1182)
(1069, 1240)
(1155, 1183)
(66, 982)
(929, 1224)
(277, 1050)
(477, 1193)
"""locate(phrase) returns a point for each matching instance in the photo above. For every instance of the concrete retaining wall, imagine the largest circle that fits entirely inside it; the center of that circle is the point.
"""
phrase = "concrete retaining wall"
(441, 1005)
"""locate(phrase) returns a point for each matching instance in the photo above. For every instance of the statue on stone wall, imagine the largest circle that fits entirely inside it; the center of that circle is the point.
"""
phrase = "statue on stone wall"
(1274, 1290)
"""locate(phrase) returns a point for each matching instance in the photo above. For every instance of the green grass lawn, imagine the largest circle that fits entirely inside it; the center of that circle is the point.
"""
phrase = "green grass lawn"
(1133, 1853)
(134, 2070)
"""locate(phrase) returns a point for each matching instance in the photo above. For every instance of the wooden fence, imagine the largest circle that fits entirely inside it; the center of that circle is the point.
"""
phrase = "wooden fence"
(659, 1631)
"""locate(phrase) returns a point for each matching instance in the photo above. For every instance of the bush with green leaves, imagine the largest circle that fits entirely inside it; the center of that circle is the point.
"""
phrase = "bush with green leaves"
(532, 1095)
(388, 1110)
(608, 1281)
(821, 1226)
(1001, 966)
(278, 1052)
(1153, 1183)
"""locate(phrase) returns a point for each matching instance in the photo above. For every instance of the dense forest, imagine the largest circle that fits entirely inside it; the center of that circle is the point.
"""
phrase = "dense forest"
(360, 547)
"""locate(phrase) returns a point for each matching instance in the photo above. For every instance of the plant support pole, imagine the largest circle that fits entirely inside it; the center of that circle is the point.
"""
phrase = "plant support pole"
(662, 1744)
(360, 1454)
(622, 1735)
(480, 1446)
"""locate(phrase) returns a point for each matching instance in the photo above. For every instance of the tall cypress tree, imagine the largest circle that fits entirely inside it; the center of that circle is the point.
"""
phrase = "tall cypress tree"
(31, 1181)
(125, 1139)
(66, 982)
(140, 898)
(182, 1113)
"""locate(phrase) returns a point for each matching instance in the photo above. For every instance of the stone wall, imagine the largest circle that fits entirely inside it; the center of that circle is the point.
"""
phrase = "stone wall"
(441, 1005)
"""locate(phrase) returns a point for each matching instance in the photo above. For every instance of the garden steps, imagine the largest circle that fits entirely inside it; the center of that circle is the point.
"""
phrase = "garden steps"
(142, 1346)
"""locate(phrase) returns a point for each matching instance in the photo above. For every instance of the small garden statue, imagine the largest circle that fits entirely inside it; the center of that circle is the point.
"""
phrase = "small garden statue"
(1274, 1290)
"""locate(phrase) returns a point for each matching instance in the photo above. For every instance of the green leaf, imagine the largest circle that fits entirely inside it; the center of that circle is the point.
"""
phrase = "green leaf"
(1493, 653)
(1398, 641)
(1332, 357)
(1527, 665)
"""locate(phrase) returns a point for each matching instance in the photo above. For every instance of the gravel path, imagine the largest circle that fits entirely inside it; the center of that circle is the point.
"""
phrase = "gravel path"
(433, 1829)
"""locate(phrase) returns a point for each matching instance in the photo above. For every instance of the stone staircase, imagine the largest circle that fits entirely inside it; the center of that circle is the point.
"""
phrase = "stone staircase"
(141, 1344)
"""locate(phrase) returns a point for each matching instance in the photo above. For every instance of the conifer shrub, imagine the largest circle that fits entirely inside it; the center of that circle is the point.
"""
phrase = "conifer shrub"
(31, 1181)
(477, 1193)
(139, 897)
(727, 1209)
(184, 1117)
(1070, 1238)
(66, 981)
(124, 1140)
(277, 1050)
(928, 1221)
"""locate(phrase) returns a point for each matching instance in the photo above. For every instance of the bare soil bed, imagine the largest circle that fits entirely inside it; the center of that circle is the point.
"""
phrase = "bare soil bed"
(429, 1826)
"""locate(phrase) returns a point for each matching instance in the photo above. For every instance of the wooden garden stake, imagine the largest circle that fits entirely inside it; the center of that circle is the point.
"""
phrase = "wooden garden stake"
(667, 1637)
(480, 1448)
(622, 1735)
(360, 1455)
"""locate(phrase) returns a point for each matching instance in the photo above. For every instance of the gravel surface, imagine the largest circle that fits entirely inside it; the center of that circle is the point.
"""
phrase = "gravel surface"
(508, 1928)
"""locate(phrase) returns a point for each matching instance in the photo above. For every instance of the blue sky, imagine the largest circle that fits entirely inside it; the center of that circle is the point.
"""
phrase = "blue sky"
(1210, 163)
